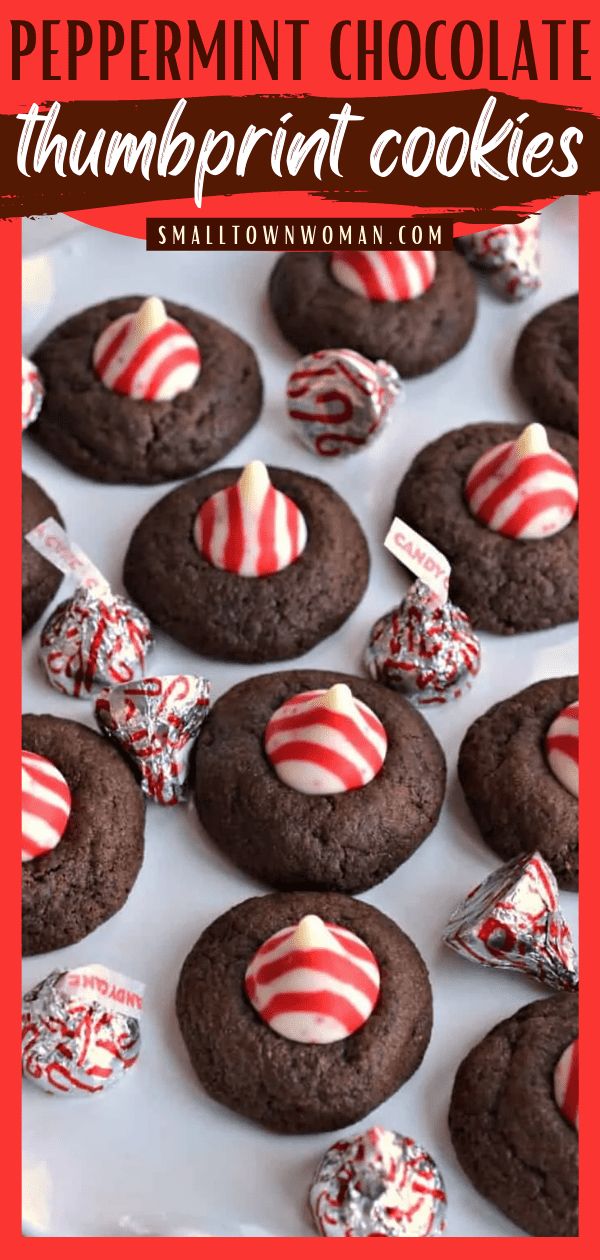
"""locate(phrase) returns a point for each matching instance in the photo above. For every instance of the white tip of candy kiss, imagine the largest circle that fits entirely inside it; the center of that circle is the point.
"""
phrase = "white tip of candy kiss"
(533, 441)
(311, 933)
(254, 483)
(339, 698)
(150, 316)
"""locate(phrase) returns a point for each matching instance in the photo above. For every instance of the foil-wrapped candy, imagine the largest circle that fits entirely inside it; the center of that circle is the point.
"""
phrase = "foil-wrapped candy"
(94, 640)
(339, 401)
(32, 392)
(155, 722)
(510, 253)
(79, 1033)
(424, 648)
(378, 1184)
(513, 920)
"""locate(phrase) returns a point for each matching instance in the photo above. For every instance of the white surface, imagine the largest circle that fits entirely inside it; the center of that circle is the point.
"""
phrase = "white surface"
(156, 1150)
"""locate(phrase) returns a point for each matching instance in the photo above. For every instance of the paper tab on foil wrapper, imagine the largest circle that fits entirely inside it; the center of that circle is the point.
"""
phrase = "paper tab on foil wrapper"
(50, 539)
(112, 990)
(420, 556)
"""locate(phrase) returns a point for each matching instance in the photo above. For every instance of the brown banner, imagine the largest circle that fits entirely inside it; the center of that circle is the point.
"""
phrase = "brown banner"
(539, 150)
(301, 235)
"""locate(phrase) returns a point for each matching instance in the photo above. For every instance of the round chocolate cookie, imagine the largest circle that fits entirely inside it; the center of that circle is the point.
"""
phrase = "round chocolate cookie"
(347, 841)
(546, 365)
(236, 618)
(508, 1132)
(88, 876)
(40, 580)
(518, 803)
(111, 437)
(289, 1086)
(314, 312)
(505, 585)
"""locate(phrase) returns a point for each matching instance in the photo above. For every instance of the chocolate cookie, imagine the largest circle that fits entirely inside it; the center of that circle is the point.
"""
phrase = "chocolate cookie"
(111, 437)
(232, 617)
(505, 585)
(286, 1085)
(546, 364)
(40, 580)
(88, 876)
(518, 803)
(314, 312)
(346, 841)
(507, 1129)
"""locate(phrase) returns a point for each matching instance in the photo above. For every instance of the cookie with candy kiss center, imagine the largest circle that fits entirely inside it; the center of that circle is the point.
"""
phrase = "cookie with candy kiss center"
(315, 982)
(46, 805)
(147, 355)
(250, 528)
(523, 489)
(322, 742)
(562, 747)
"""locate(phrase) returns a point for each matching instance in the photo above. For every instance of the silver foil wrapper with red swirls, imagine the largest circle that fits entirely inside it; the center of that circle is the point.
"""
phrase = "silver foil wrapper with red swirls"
(423, 648)
(155, 722)
(94, 640)
(510, 253)
(339, 401)
(72, 1043)
(378, 1184)
(513, 920)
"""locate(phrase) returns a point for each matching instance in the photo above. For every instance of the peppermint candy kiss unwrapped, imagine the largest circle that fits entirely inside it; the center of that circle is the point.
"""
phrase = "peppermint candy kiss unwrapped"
(250, 528)
(45, 805)
(378, 1184)
(156, 721)
(320, 742)
(32, 392)
(566, 1084)
(523, 489)
(146, 354)
(339, 401)
(562, 748)
(395, 275)
(94, 640)
(513, 920)
(74, 1041)
(510, 253)
(313, 982)
(427, 650)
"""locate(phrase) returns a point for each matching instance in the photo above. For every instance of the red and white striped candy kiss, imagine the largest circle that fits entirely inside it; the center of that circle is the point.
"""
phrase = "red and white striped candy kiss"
(566, 1084)
(45, 805)
(562, 747)
(523, 489)
(394, 275)
(146, 354)
(32, 392)
(250, 528)
(321, 742)
(313, 982)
